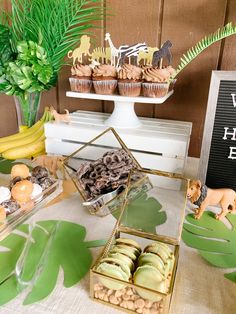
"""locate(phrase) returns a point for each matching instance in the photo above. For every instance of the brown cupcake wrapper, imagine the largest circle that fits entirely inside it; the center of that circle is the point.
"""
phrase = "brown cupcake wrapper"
(129, 81)
(157, 90)
(80, 85)
(103, 78)
(105, 87)
(129, 89)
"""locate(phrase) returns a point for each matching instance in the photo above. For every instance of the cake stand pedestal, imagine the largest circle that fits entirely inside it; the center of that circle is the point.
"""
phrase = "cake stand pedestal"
(123, 115)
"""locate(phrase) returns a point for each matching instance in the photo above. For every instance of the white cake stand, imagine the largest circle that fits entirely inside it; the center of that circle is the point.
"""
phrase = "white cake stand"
(123, 115)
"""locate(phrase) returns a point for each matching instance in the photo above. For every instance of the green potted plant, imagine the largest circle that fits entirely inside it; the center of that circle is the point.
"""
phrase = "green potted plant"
(35, 37)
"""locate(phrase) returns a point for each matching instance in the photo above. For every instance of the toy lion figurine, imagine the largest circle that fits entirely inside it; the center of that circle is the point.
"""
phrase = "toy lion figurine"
(202, 196)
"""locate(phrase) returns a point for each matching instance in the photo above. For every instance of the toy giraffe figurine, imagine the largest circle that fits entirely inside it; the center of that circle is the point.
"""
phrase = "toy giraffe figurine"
(83, 49)
(114, 50)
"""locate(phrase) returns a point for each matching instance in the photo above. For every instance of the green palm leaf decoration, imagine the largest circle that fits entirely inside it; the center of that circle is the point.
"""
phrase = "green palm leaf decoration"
(34, 265)
(143, 213)
(214, 240)
(193, 52)
(56, 25)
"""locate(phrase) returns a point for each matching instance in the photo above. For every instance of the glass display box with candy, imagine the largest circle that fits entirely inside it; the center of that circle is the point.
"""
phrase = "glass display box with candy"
(26, 191)
(100, 171)
(137, 268)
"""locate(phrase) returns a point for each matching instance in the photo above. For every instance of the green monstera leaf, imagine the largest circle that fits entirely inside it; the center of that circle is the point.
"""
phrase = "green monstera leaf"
(32, 259)
(214, 240)
(143, 213)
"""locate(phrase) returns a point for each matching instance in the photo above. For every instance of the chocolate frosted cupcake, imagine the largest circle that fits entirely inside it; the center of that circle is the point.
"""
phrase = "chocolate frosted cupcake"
(104, 79)
(81, 78)
(156, 82)
(129, 80)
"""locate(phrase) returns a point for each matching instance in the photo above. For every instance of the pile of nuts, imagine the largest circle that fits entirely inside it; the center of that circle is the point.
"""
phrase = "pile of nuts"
(128, 299)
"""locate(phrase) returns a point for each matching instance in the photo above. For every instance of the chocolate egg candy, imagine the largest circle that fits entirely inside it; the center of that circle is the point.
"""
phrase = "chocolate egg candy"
(10, 206)
(45, 182)
(20, 170)
(32, 179)
(40, 172)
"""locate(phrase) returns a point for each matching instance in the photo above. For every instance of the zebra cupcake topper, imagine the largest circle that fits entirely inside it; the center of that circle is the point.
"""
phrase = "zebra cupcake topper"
(131, 51)
(118, 55)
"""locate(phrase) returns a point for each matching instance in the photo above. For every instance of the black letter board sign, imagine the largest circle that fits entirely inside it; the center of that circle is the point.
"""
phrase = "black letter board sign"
(217, 166)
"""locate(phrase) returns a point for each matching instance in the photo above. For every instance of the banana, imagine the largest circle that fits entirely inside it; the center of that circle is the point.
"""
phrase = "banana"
(32, 156)
(23, 128)
(22, 141)
(24, 151)
(45, 118)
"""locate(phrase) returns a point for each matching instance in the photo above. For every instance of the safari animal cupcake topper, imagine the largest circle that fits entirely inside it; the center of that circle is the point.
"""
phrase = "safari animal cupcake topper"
(137, 54)
(81, 51)
(163, 52)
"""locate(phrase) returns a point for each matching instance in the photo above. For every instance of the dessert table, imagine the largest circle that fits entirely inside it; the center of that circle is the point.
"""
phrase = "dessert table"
(199, 287)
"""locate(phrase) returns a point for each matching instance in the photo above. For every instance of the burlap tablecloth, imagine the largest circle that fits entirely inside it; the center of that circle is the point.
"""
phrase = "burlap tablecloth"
(199, 289)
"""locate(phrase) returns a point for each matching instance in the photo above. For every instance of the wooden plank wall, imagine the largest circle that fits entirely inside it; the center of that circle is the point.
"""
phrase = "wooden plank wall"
(155, 21)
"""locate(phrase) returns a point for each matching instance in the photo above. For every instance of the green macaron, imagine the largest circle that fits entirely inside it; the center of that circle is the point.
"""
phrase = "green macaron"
(155, 261)
(159, 250)
(165, 247)
(129, 242)
(150, 277)
(124, 250)
(123, 258)
(114, 268)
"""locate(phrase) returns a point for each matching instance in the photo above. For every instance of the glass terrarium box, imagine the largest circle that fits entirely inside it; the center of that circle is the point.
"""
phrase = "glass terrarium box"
(100, 170)
(137, 268)
(15, 210)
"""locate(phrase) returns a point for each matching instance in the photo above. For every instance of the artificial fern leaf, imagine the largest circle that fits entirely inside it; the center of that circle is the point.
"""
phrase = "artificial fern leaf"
(56, 25)
(193, 52)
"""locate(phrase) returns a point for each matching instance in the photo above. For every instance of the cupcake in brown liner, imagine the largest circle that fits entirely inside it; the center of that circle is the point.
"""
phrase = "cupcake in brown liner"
(172, 72)
(156, 82)
(129, 80)
(104, 79)
(81, 78)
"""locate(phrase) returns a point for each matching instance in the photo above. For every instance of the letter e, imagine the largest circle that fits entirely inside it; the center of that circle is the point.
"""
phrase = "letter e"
(232, 154)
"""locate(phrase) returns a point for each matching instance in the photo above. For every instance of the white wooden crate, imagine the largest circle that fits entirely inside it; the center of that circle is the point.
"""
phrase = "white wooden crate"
(157, 144)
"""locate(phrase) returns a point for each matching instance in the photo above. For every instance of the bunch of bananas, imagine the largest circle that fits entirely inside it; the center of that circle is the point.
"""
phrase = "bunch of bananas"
(27, 143)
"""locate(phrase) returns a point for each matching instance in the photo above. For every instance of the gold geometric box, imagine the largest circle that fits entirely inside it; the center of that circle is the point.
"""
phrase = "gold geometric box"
(153, 218)
(99, 170)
